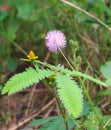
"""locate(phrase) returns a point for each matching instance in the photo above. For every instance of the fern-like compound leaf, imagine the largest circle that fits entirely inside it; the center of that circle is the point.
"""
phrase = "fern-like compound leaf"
(70, 94)
(25, 79)
(79, 74)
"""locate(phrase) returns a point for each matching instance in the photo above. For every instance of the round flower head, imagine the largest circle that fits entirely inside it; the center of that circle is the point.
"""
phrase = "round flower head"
(55, 40)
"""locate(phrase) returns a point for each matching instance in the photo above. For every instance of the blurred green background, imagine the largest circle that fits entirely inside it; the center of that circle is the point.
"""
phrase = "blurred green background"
(26, 22)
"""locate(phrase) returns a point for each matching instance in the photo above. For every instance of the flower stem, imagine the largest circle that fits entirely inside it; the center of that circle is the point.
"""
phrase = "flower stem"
(66, 59)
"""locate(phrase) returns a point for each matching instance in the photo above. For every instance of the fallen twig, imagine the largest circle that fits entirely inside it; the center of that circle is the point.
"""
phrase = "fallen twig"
(87, 13)
(30, 100)
(24, 121)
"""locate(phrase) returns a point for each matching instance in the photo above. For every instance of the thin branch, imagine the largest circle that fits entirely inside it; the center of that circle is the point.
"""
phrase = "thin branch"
(22, 122)
(85, 12)
(30, 100)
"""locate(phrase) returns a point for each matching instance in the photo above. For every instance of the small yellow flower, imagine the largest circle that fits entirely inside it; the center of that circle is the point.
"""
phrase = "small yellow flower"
(32, 56)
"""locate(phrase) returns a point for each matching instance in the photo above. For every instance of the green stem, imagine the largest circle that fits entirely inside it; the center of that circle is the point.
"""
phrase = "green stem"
(90, 101)
(61, 111)
(58, 103)
(84, 89)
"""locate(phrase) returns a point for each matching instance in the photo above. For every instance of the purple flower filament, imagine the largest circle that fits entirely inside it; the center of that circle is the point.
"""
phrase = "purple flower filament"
(55, 40)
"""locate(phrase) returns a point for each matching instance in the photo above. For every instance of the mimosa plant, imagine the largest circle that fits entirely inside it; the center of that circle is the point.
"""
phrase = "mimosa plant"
(69, 91)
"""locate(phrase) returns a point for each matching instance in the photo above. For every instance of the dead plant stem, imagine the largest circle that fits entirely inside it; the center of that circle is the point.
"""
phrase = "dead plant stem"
(87, 13)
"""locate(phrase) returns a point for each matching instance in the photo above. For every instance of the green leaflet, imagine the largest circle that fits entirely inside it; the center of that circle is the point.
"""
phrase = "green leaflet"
(70, 94)
(25, 79)
(76, 73)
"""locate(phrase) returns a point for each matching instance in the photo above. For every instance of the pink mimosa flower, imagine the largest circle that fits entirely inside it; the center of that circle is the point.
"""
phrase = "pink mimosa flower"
(55, 40)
